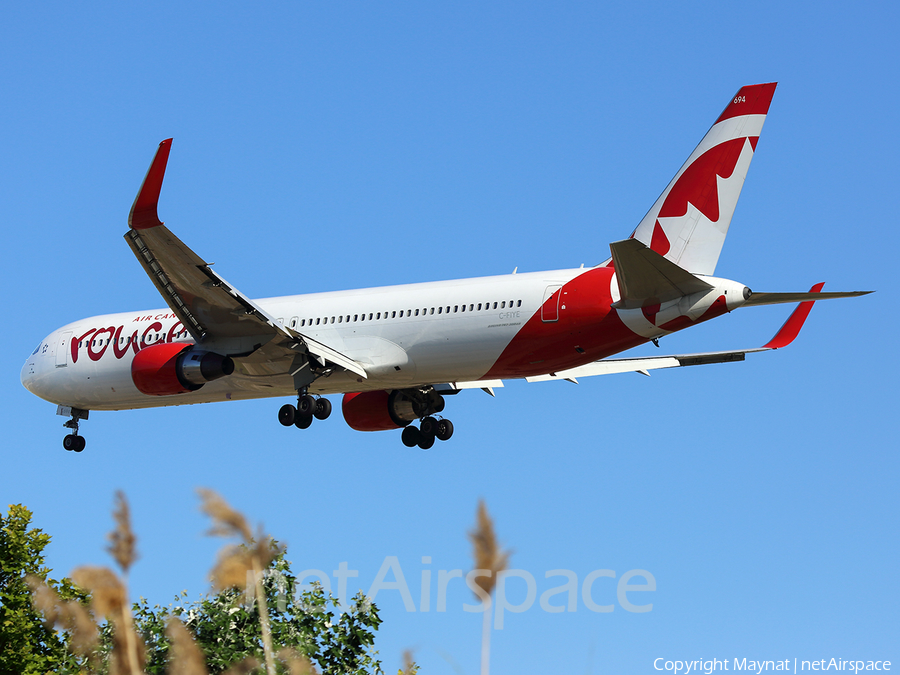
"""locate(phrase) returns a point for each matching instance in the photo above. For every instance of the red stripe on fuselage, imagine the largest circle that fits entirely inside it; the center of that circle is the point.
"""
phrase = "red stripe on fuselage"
(585, 322)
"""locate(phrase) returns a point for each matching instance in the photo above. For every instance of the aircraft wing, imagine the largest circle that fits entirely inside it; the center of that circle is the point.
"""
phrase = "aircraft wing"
(215, 313)
(782, 338)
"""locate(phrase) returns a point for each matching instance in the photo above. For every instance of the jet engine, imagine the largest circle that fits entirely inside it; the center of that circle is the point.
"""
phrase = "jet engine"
(175, 368)
(382, 410)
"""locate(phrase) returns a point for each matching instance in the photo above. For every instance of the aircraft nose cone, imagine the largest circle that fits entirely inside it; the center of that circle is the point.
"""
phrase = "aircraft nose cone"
(34, 374)
(28, 373)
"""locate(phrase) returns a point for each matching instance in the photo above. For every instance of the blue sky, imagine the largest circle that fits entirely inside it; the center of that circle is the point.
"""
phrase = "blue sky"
(322, 146)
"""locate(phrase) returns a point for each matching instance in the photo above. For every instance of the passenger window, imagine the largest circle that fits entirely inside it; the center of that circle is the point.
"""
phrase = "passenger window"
(503, 305)
(479, 306)
(464, 308)
(370, 316)
(519, 304)
(495, 305)
(439, 309)
(379, 315)
(393, 315)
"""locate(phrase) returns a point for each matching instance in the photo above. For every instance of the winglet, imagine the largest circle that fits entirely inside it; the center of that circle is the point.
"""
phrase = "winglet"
(143, 212)
(792, 326)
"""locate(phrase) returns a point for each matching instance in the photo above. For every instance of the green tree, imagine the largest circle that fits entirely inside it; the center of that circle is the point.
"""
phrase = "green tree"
(226, 627)
(29, 646)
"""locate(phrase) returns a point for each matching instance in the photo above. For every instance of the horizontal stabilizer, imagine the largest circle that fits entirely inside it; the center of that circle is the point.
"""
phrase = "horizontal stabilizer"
(785, 335)
(778, 298)
(646, 278)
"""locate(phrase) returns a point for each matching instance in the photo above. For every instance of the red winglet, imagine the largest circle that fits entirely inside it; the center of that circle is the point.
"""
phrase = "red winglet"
(143, 211)
(754, 99)
(792, 326)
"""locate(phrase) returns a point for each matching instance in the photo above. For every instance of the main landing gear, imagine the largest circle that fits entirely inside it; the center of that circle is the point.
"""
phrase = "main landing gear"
(308, 408)
(408, 405)
(73, 441)
(429, 429)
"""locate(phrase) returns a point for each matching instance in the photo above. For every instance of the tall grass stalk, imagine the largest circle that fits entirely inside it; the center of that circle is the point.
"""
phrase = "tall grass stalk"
(235, 562)
(490, 558)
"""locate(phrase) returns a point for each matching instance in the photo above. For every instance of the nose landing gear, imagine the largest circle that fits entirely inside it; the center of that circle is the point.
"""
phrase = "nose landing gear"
(73, 441)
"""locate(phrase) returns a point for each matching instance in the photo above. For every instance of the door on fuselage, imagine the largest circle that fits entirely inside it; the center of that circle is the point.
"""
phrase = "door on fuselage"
(550, 306)
(62, 349)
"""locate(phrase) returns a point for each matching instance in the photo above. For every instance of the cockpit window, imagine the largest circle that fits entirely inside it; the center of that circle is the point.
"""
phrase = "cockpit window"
(37, 349)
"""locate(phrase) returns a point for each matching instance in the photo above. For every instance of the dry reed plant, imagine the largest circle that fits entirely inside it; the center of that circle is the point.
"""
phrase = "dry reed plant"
(186, 657)
(122, 539)
(68, 615)
(109, 600)
(296, 662)
(244, 667)
(486, 551)
(108, 597)
(488, 556)
(109, 593)
(409, 666)
(235, 562)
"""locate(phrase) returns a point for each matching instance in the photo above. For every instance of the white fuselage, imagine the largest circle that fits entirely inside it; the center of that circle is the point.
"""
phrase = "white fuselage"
(404, 336)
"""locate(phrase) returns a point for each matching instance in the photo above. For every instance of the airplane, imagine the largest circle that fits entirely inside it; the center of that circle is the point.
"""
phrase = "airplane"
(395, 353)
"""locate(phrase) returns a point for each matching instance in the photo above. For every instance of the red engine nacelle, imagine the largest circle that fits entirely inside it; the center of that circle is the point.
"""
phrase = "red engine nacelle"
(175, 368)
(377, 410)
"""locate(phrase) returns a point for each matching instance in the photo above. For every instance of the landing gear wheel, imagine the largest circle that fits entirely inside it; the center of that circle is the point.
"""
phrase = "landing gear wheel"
(286, 414)
(302, 422)
(428, 426)
(322, 409)
(410, 437)
(306, 406)
(426, 442)
(70, 442)
(79, 443)
(444, 430)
